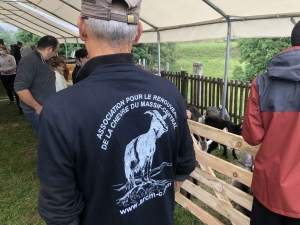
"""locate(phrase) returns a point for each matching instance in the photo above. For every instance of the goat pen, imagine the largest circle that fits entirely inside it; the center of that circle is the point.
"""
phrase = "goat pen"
(223, 193)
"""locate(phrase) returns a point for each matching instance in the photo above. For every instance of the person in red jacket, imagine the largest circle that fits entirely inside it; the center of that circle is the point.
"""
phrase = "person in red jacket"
(272, 119)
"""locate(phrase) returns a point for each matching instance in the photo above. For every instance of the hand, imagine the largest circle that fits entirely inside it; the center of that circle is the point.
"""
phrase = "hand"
(4, 70)
(38, 109)
(189, 114)
(177, 185)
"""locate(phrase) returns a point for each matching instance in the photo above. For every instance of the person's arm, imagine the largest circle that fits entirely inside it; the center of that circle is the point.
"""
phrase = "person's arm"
(69, 84)
(26, 73)
(177, 185)
(57, 205)
(186, 160)
(60, 200)
(253, 130)
(26, 96)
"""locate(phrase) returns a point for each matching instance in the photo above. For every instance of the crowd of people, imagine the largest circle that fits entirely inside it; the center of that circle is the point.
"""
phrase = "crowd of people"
(9, 65)
(114, 146)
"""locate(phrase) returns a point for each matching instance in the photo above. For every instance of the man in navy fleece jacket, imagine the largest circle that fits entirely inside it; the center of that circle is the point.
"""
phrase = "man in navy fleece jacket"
(115, 147)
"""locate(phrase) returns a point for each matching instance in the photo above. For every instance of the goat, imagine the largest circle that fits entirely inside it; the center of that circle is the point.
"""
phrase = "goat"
(217, 112)
(197, 117)
(247, 164)
(195, 114)
(221, 124)
(139, 152)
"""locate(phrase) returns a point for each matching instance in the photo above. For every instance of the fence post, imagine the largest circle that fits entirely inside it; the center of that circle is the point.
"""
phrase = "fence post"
(167, 66)
(184, 84)
(198, 70)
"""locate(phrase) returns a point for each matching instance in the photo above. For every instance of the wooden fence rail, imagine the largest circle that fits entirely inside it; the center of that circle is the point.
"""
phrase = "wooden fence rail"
(202, 92)
(224, 193)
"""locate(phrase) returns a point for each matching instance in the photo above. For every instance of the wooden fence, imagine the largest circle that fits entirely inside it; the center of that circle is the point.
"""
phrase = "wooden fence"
(223, 193)
(202, 92)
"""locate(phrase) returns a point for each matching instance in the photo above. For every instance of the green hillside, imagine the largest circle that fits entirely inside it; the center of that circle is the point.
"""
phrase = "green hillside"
(211, 54)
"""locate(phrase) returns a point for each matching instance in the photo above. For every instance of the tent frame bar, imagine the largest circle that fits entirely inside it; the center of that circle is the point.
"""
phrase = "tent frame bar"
(27, 21)
(66, 49)
(232, 20)
(40, 20)
(50, 12)
(21, 27)
(22, 23)
(158, 51)
(293, 21)
(227, 54)
(73, 7)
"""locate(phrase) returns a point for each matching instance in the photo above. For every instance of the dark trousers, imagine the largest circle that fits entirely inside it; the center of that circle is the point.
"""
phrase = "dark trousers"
(8, 83)
(260, 215)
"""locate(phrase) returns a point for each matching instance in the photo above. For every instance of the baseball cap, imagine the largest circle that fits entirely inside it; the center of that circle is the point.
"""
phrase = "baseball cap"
(101, 9)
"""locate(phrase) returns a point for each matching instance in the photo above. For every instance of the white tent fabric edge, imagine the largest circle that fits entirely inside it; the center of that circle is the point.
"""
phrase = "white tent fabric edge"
(176, 21)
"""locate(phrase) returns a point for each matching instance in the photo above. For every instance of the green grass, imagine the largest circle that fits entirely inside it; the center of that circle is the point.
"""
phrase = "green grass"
(211, 54)
(18, 181)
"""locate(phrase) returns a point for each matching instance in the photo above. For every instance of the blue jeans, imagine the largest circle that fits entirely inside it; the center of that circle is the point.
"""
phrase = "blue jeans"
(33, 119)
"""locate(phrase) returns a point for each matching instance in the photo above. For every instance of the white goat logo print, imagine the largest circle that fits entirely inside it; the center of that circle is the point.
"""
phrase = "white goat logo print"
(139, 152)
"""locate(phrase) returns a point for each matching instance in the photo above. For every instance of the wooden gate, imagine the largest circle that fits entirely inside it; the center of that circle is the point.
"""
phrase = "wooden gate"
(224, 193)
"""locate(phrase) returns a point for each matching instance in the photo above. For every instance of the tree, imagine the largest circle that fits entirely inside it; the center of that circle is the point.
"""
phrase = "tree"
(70, 49)
(149, 52)
(256, 54)
(28, 38)
(8, 37)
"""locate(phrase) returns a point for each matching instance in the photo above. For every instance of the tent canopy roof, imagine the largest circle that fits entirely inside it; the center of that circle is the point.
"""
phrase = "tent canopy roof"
(176, 21)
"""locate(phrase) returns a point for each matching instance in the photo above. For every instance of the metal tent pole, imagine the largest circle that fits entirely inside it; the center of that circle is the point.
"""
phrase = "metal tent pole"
(227, 53)
(66, 48)
(226, 68)
(158, 50)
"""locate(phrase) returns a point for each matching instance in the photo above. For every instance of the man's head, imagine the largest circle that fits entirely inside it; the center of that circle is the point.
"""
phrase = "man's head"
(20, 44)
(295, 37)
(82, 55)
(48, 46)
(111, 24)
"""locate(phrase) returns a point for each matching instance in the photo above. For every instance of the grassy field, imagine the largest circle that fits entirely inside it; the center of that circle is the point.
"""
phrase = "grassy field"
(18, 181)
(211, 54)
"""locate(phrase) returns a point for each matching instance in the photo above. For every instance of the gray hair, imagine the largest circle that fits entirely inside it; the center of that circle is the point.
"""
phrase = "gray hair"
(114, 32)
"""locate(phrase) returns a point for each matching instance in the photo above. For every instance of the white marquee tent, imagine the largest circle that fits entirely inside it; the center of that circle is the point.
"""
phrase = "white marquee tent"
(165, 20)
(187, 20)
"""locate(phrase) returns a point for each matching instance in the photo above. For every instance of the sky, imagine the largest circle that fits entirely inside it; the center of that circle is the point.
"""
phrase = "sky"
(8, 26)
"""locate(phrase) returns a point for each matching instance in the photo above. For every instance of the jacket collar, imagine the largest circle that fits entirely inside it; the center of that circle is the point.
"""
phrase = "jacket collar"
(39, 55)
(93, 63)
(287, 49)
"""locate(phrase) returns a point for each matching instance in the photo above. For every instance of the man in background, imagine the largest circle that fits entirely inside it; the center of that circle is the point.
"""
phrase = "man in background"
(272, 119)
(114, 147)
(35, 79)
(15, 51)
